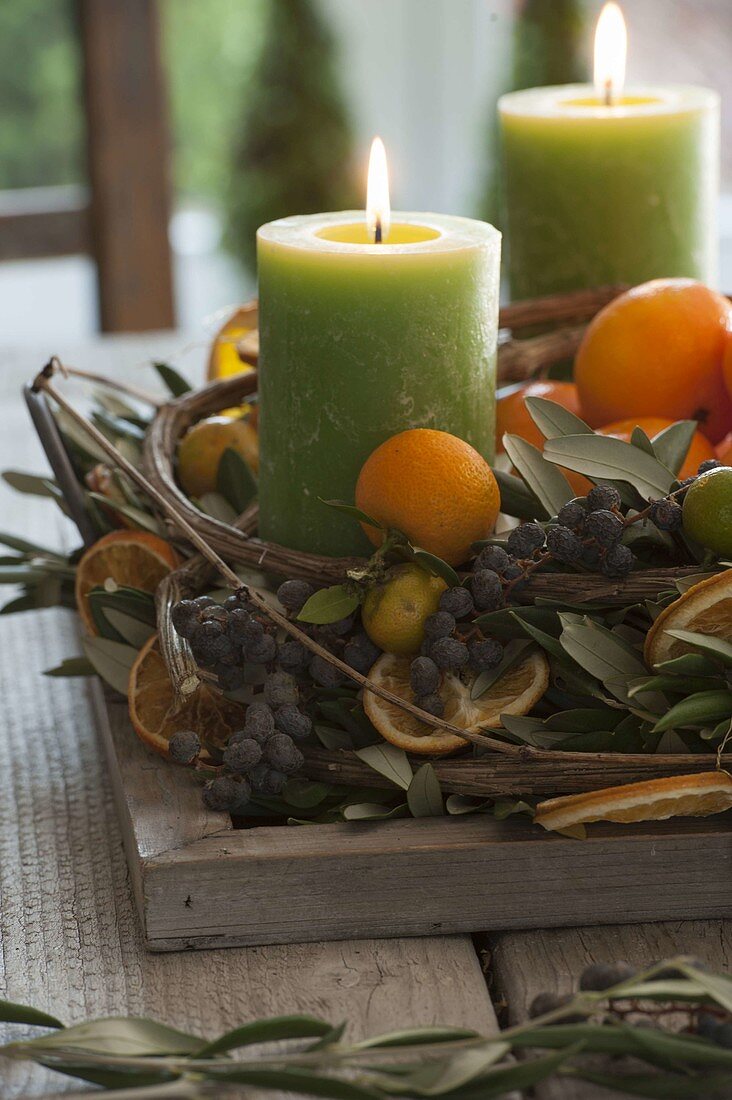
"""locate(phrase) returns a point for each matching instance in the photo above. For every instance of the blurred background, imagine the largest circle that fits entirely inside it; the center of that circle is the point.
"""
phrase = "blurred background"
(142, 141)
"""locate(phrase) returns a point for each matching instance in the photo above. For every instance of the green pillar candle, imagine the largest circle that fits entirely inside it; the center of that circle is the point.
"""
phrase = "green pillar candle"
(599, 193)
(359, 341)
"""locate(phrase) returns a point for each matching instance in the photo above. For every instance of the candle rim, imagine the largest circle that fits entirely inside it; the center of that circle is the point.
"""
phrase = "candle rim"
(555, 101)
(301, 232)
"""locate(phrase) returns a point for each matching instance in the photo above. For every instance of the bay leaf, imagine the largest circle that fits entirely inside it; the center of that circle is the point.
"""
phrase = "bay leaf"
(328, 605)
(373, 811)
(437, 567)
(352, 511)
(516, 497)
(388, 761)
(235, 481)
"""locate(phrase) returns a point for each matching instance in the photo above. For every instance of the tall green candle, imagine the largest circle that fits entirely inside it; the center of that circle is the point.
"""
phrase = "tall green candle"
(601, 193)
(359, 341)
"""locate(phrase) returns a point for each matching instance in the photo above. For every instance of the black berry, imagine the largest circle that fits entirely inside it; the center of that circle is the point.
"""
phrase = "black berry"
(293, 657)
(564, 545)
(261, 652)
(492, 557)
(293, 595)
(603, 526)
(279, 689)
(360, 653)
(242, 755)
(666, 514)
(449, 654)
(324, 673)
(184, 617)
(572, 515)
(709, 464)
(431, 703)
(485, 654)
(618, 561)
(603, 498)
(184, 746)
(525, 539)
(424, 676)
(282, 754)
(259, 719)
(267, 780)
(458, 602)
(226, 794)
(439, 625)
(487, 589)
(293, 722)
(601, 976)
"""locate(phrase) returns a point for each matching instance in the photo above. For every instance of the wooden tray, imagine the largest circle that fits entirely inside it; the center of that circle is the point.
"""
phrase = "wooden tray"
(200, 883)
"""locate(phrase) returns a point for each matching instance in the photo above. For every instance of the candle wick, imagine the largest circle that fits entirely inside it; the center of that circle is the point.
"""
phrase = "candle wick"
(377, 231)
(608, 93)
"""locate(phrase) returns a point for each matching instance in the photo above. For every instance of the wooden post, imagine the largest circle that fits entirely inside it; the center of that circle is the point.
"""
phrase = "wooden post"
(128, 154)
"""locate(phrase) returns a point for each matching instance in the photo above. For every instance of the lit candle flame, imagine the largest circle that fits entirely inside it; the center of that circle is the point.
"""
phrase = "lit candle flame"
(378, 207)
(611, 47)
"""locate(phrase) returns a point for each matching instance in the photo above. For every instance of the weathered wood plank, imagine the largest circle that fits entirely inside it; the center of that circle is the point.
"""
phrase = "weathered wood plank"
(524, 964)
(70, 935)
(128, 153)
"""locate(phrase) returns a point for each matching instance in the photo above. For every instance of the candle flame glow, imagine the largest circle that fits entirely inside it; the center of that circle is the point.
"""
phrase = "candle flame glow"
(378, 207)
(611, 47)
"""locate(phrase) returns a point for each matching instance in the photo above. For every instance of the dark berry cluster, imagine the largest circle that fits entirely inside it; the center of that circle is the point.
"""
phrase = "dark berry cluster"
(343, 638)
(224, 638)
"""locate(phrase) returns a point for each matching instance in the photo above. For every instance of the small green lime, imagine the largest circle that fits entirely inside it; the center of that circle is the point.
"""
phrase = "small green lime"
(394, 612)
(708, 511)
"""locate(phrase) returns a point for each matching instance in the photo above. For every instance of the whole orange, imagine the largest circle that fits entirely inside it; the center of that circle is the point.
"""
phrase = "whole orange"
(513, 417)
(433, 487)
(700, 448)
(657, 351)
(727, 362)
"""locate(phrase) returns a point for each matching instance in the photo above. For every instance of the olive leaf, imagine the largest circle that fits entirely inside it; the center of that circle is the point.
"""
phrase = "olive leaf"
(111, 660)
(272, 1030)
(548, 484)
(374, 811)
(31, 484)
(697, 710)
(714, 647)
(424, 796)
(512, 653)
(639, 439)
(671, 445)
(235, 481)
(11, 1013)
(352, 511)
(72, 666)
(129, 628)
(601, 653)
(388, 761)
(328, 605)
(144, 520)
(602, 457)
(174, 381)
(217, 506)
(516, 497)
(554, 420)
(437, 567)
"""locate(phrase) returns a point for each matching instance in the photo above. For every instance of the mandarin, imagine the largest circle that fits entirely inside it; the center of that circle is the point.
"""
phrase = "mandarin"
(657, 350)
(434, 488)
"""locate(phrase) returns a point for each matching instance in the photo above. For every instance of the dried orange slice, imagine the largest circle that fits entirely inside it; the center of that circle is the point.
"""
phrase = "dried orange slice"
(652, 800)
(516, 692)
(156, 716)
(705, 608)
(137, 559)
(238, 332)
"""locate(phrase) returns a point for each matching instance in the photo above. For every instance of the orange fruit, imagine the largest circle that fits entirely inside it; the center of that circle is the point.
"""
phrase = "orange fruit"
(137, 559)
(705, 608)
(651, 800)
(723, 450)
(156, 716)
(239, 331)
(201, 448)
(699, 450)
(513, 417)
(433, 487)
(657, 350)
(515, 692)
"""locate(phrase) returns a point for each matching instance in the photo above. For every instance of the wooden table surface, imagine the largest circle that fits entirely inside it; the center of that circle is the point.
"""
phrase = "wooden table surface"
(69, 941)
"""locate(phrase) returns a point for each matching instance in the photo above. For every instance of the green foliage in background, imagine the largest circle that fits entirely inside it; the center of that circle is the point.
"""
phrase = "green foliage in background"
(209, 51)
(41, 133)
(294, 153)
(551, 45)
